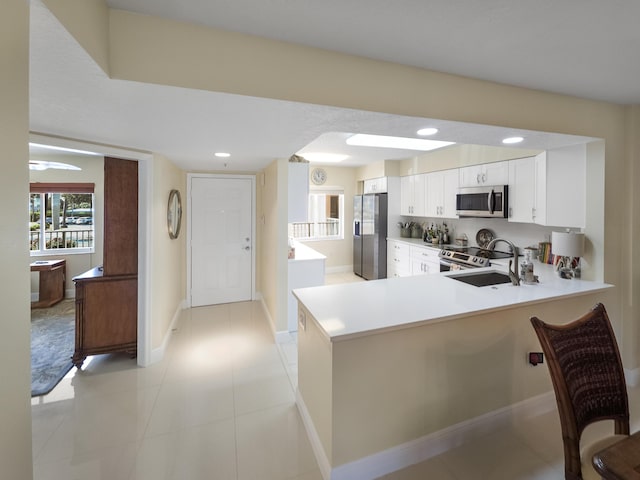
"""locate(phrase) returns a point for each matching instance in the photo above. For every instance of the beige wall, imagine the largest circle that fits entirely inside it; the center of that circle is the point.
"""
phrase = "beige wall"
(15, 414)
(339, 253)
(168, 265)
(92, 172)
(273, 242)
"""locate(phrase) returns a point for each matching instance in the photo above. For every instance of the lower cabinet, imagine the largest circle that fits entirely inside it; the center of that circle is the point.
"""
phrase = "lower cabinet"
(405, 259)
(398, 260)
(424, 260)
(106, 314)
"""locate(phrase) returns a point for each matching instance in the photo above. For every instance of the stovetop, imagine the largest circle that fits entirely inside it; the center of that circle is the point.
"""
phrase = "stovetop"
(470, 256)
(478, 252)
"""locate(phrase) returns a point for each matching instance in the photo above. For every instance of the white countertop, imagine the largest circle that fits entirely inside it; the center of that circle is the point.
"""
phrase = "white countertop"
(354, 309)
(304, 253)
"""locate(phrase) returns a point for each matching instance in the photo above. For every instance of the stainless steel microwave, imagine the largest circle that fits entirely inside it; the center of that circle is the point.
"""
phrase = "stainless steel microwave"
(488, 202)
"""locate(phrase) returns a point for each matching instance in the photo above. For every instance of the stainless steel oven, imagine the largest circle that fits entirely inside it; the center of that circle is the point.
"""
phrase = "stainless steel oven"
(464, 258)
(492, 201)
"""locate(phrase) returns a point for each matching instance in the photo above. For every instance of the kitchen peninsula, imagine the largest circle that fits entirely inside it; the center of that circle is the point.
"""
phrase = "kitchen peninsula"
(388, 368)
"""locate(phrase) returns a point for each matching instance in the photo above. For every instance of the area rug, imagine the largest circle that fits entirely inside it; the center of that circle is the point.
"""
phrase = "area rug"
(52, 345)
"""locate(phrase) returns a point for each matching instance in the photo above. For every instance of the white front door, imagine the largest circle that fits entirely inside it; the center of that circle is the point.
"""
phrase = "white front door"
(221, 232)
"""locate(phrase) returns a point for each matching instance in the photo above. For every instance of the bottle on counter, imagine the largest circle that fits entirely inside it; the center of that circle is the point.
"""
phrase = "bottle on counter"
(526, 268)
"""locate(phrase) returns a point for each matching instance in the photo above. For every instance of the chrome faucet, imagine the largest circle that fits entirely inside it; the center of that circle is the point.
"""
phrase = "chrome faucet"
(513, 274)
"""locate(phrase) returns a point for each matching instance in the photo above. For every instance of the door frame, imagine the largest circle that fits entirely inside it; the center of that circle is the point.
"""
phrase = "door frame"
(145, 237)
(221, 176)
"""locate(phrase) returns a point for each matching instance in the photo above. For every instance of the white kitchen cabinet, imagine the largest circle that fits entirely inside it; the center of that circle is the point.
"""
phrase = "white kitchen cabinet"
(550, 188)
(561, 187)
(441, 188)
(486, 174)
(375, 185)
(412, 195)
(398, 259)
(424, 260)
(298, 183)
(522, 190)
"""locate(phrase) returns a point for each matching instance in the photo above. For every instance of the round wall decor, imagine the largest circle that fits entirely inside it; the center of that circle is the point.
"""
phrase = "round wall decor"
(318, 176)
(174, 214)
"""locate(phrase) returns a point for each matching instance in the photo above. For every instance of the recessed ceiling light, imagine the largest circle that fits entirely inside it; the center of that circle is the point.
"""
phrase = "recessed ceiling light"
(511, 140)
(403, 143)
(324, 157)
(222, 154)
(424, 132)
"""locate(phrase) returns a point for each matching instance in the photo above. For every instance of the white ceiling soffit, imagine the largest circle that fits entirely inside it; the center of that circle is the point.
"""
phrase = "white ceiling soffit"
(574, 47)
(71, 97)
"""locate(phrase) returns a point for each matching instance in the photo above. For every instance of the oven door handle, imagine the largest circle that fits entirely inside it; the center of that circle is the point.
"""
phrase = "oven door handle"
(491, 201)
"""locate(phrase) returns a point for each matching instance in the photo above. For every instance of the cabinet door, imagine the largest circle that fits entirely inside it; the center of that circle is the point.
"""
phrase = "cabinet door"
(449, 190)
(419, 194)
(522, 190)
(424, 260)
(470, 176)
(565, 184)
(398, 262)
(441, 189)
(434, 195)
(375, 185)
(406, 195)
(496, 173)
(120, 256)
(412, 195)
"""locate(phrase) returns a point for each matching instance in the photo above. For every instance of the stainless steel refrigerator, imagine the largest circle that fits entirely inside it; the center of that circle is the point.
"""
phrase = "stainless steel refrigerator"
(370, 235)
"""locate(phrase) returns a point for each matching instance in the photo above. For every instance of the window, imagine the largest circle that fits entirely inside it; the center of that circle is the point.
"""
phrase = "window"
(61, 218)
(325, 217)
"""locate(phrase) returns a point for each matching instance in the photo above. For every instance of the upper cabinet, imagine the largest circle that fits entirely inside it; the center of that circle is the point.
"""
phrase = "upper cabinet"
(496, 173)
(298, 191)
(120, 255)
(550, 188)
(412, 195)
(441, 189)
(375, 185)
(522, 190)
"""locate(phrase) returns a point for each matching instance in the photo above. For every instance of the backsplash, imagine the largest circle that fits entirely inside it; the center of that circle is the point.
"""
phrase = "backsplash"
(521, 234)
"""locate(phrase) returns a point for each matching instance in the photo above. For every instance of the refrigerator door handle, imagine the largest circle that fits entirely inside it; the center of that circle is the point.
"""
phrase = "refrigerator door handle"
(356, 228)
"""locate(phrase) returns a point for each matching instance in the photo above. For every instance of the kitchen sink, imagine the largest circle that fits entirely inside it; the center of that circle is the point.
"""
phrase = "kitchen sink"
(482, 279)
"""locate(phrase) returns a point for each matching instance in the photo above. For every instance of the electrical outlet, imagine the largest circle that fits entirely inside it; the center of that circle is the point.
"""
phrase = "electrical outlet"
(302, 320)
(536, 358)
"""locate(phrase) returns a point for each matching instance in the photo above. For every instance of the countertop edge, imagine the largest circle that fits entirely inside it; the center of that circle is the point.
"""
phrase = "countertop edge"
(429, 321)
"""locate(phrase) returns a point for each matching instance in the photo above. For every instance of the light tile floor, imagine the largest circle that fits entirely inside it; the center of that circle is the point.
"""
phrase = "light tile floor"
(221, 406)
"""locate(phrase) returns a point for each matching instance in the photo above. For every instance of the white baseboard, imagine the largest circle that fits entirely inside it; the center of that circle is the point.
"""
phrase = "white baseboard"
(157, 354)
(423, 448)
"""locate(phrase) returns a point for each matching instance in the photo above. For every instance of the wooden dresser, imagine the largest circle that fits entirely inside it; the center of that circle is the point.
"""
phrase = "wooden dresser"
(107, 296)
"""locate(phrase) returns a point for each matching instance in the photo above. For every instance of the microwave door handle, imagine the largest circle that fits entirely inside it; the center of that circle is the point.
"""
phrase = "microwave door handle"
(491, 201)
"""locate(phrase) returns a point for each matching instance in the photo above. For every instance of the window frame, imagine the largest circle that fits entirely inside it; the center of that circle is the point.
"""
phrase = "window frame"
(50, 188)
(341, 213)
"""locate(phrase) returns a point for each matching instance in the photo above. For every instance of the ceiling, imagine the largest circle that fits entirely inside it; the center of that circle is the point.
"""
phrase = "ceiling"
(583, 48)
